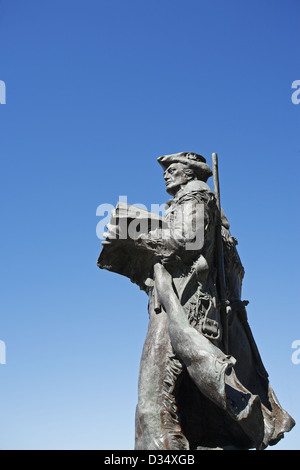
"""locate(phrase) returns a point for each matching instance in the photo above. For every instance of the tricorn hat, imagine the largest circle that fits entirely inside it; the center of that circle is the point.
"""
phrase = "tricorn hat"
(192, 160)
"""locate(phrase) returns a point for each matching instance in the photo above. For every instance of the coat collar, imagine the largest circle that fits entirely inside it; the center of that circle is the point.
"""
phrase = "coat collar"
(191, 187)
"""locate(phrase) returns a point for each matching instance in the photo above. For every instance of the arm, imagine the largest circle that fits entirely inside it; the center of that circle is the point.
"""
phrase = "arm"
(185, 233)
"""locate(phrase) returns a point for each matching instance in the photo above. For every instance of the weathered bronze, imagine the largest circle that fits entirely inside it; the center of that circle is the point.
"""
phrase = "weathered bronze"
(202, 383)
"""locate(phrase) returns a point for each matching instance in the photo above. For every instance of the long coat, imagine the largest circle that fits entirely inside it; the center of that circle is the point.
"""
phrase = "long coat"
(172, 413)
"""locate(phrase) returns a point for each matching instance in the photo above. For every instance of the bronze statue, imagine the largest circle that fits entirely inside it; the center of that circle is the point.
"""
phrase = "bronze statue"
(202, 383)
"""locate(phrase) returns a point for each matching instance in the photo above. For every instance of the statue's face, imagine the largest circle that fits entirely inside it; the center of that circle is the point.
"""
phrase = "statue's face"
(175, 177)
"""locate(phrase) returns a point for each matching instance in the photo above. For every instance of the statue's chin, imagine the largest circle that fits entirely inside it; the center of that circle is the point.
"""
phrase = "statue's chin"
(172, 190)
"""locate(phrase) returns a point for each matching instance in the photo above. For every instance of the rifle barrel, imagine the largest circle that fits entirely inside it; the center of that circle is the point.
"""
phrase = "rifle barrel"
(216, 180)
(220, 254)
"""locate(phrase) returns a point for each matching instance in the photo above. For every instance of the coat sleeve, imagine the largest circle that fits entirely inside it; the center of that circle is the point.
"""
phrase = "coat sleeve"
(186, 229)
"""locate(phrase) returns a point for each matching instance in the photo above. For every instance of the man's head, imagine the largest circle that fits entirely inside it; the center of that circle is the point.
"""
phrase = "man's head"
(177, 175)
(182, 167)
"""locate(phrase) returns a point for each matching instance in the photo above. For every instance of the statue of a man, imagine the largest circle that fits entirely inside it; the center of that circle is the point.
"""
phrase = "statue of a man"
(202, 383)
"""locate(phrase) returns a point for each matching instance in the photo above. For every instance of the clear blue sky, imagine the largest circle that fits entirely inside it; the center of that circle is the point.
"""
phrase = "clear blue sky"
(96, 90)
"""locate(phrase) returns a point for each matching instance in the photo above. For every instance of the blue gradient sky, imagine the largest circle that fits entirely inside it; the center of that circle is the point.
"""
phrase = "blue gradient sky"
(96, 91)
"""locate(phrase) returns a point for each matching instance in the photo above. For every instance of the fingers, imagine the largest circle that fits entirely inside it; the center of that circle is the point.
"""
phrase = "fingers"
(112, 229)
(111, 235)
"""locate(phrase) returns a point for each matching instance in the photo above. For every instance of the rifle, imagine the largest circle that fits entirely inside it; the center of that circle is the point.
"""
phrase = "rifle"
(220, 257)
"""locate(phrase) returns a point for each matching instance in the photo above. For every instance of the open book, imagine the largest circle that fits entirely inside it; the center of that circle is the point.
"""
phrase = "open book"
(122, 256)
